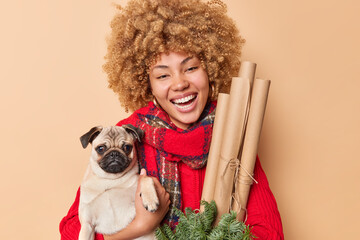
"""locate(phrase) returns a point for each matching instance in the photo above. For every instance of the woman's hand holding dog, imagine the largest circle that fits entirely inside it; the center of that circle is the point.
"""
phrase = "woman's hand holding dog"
(144, 221)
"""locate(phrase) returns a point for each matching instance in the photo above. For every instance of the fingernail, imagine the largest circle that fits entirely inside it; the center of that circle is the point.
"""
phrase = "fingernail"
(143, 171)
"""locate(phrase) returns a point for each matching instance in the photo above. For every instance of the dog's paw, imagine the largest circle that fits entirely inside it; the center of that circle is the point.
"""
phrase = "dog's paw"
(148, 194)
(150, 204)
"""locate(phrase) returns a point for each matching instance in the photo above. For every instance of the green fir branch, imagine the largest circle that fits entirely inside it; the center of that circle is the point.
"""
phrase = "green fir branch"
(164, 233)
(199, 225)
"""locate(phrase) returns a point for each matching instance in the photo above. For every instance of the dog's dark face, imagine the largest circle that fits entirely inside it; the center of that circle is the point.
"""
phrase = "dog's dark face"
(112, 148)
(114, 152)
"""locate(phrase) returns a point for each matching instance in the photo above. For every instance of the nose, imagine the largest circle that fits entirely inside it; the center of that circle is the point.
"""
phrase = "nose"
(114, 154)
(179, 83)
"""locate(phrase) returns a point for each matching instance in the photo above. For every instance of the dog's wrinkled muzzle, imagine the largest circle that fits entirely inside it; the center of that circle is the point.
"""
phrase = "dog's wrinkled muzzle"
(114, 162)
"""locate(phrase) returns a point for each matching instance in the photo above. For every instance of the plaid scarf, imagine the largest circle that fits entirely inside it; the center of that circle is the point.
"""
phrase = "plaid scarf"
(164, 146)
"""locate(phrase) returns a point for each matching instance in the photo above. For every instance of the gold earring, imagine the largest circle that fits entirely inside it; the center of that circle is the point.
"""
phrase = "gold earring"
(212, 91)
(155, 102)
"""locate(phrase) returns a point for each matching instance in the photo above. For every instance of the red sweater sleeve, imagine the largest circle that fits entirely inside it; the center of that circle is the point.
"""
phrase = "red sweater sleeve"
(70, 224)
(263, 214)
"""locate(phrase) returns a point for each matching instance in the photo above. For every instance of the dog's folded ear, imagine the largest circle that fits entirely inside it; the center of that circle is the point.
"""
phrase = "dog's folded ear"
(90, 136)
(137, 133)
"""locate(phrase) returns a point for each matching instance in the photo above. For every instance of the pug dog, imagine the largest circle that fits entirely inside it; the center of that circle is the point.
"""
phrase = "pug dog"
(107, 192)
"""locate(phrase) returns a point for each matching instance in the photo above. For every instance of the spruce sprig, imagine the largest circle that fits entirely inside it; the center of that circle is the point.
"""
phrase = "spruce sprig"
(198, 225)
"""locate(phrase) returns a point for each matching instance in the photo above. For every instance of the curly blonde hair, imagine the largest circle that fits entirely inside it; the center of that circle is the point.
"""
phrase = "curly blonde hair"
(144, 29)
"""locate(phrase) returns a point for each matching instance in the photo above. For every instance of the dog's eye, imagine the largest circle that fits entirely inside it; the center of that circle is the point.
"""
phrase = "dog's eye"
(127, 148)
(100, 149)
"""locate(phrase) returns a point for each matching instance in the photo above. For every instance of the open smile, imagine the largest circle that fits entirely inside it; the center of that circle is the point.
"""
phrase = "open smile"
(184, 103)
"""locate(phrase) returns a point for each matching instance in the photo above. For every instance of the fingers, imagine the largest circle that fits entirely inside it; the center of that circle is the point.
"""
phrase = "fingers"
(151, 219)
(159, 188)
(143, 172)
(164, 198)
(157, 184)
(163, 195)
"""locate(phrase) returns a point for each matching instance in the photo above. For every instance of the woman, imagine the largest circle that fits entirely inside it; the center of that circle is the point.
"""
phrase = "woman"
(168, 60)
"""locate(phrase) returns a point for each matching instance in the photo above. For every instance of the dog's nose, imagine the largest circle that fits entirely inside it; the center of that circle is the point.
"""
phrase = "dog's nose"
(114, 154)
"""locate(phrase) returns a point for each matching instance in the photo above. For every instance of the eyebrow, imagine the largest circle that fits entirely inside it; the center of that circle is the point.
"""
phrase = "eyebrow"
(186, 60)
(182, 63)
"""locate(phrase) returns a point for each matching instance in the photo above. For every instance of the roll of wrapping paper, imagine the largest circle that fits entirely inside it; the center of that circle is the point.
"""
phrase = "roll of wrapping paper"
(247, 70)
(234, 127)
(250, 146)
(214, 152)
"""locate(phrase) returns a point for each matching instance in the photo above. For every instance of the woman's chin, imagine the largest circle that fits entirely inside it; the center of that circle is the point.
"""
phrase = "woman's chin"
(184, 120)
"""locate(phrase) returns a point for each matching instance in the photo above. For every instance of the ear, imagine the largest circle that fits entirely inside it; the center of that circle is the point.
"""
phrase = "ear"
(137, 133)
(90, 136)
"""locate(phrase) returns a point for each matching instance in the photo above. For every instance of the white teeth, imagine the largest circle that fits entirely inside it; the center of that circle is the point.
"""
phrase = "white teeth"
(184, 107)
(185, 99)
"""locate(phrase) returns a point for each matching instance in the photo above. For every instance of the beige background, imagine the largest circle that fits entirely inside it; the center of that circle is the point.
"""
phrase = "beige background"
(53, 90)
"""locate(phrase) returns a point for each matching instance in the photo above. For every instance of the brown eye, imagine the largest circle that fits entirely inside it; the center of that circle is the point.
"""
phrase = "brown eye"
(161, 76)
(101, 149)
(127, 148)
(191, 69)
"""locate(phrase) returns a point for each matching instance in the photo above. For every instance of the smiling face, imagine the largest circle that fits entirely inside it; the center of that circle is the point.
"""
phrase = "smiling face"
(181, 87)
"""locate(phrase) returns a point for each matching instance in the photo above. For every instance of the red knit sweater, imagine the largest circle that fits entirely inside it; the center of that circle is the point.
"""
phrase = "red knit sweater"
(263, 214)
